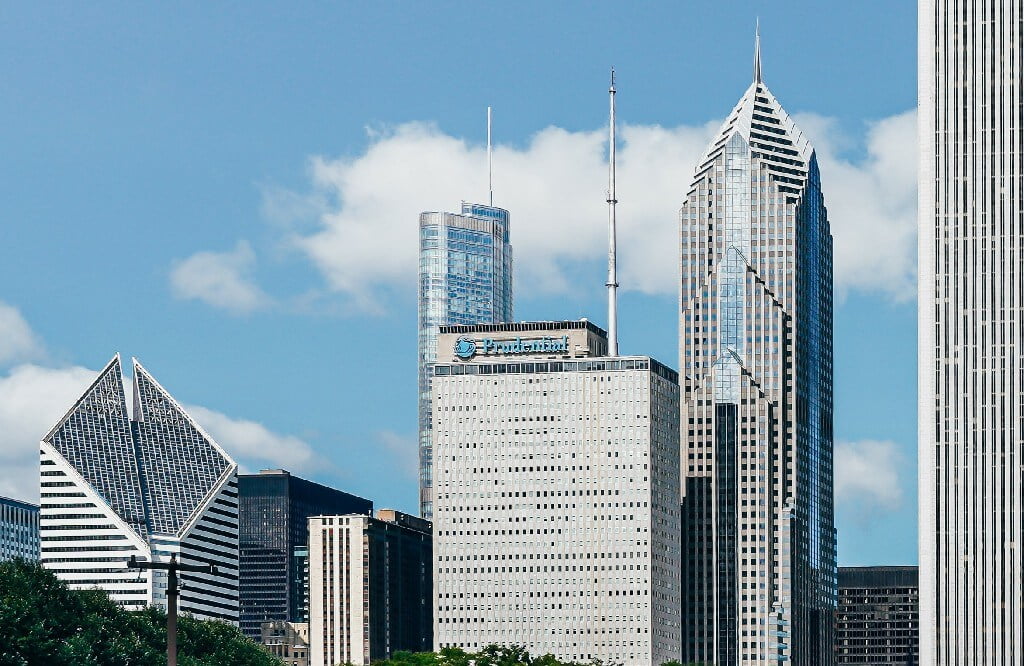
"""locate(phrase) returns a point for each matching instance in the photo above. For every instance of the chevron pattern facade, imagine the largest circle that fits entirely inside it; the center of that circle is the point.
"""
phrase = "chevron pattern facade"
(148, 483)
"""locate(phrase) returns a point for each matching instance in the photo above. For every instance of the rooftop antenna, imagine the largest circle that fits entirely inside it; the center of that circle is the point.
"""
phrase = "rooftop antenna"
(757, 51)
(490, 179)
(612, 283)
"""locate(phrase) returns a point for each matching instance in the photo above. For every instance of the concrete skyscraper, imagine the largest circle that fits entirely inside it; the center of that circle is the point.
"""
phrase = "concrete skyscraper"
(556, 521)
(465, 277)
(149, 484)
(971, 327)
(759, 543)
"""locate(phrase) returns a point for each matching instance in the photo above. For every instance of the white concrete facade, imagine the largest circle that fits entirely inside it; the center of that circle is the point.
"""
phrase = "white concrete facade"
(556, 510)
(971, 314)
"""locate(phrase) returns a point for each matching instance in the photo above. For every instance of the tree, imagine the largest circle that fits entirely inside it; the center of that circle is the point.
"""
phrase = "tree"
(42, 621)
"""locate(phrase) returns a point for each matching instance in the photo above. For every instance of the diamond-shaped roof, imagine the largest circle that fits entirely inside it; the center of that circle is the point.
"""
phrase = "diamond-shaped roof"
(155, 469)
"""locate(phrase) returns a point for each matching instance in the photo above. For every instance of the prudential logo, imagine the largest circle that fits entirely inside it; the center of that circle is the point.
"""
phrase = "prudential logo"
(465, 348)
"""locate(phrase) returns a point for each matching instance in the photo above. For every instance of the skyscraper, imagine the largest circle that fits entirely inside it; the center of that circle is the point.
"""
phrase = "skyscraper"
(465, 277)
(273, 543)
(759, 543)
(970, 328)
(19, 530)
(557, 494)
(370, 587)
(149, 484)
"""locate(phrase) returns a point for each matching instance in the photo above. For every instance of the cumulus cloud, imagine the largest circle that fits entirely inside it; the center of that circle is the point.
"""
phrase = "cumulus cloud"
(872, 203)
(220, 279)
(364, 235)
(867, 475)
(32, 400)
(17, 341)
(252, 444)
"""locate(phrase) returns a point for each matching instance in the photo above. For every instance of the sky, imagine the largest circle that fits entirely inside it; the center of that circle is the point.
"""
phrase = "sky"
(229, 192)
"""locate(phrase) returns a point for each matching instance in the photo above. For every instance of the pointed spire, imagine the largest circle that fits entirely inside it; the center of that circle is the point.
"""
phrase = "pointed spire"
(757, 52)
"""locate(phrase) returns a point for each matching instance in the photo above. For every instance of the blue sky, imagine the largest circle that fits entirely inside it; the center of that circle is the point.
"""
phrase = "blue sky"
(229, 192)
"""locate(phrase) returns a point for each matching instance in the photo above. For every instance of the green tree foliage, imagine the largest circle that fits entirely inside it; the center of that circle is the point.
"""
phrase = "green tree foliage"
(492, 655)
(44, 622)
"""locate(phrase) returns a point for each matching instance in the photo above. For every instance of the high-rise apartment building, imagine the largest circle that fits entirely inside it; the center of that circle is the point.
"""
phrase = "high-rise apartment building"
(148, 483)
(971, 331)
(755, 329)
(370, 587)
(556, 522)
(465, 277)
(876, 618)
(273, 543)
(19, 530)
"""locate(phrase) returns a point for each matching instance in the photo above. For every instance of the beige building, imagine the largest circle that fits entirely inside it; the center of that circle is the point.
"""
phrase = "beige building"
(288, 641)
(369, 587)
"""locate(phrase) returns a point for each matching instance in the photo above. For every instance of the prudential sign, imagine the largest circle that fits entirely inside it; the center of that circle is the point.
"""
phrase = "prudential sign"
(467, 348)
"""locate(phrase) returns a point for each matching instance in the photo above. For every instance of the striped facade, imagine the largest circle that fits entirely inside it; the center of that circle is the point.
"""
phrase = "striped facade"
(149, 484)
(971, 313)
(19, 530)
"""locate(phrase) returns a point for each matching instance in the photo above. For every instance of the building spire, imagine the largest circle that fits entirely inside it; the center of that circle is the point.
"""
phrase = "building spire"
(757, 52)
(613, 282)
(490, 178)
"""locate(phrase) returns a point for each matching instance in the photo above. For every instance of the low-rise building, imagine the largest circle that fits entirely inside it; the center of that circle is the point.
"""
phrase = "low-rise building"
(288, 641)
(19, 530)
(876, 620)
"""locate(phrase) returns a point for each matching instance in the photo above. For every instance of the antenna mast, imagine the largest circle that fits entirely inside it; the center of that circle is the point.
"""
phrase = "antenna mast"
(612, 283)
(490, 179)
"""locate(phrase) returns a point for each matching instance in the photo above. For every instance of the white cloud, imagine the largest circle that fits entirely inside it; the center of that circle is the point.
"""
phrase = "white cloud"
(17, 341)
(220, 279)
(867, 475)
(872, 204)
(32, 400)
(253, 444)
(365, 236)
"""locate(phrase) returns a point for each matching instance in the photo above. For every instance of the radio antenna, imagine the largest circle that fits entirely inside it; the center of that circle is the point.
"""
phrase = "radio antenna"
(490, 178)
(612, 283)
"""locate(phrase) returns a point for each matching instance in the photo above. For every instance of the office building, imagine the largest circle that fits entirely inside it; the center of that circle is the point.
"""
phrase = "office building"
(971, 332)
(556, 521)
(149, 483)
(370, 587)
(273, 543)
(755, 334)
(19, 530)
(465, 277)
(288, 641)
(876, 618)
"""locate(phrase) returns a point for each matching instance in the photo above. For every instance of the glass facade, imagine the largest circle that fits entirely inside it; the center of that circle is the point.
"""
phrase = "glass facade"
(465, 277)
(876, 619)
(273, 512)
(19, 530)
(759, 543)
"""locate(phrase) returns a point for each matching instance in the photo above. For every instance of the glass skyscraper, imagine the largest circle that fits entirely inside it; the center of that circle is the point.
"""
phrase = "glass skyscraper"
(971, 331)
(273, 542)
(19, 530)
(149, 483)
(759, 543)
(465, 277)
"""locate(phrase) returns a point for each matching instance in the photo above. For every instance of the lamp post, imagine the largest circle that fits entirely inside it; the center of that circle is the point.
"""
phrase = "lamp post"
(172, 568)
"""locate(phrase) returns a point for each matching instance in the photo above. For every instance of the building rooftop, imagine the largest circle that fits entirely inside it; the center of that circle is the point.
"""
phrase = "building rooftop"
(526, 326)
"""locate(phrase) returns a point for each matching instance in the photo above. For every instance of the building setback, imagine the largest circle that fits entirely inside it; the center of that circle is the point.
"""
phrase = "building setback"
(149, 484)
(971, 331)
(465, 277)
(556, 520)
(19, 530)
(876, 618)
(755, 330)
(273, 521)
(370, 587)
